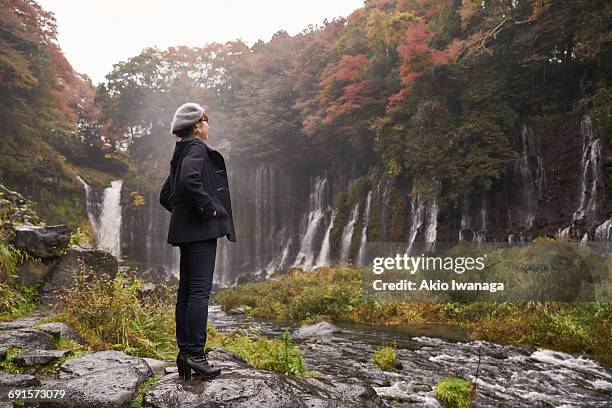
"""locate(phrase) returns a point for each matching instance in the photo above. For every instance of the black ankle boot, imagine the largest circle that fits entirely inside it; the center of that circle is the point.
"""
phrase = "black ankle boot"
(199, 364)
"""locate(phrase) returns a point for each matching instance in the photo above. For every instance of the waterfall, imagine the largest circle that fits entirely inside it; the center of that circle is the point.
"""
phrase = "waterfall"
(417, 209)
(480, 235)
(478, 228)
(604, 231)
(431, 233)
(364, 230)
(305, 257)
(530, 168)
(383, 192)
(563, 233)
(347, 235)
(107, 229)
(89, 205)
(285, 254)
(423, 213)
(592, 184)
(324, 256)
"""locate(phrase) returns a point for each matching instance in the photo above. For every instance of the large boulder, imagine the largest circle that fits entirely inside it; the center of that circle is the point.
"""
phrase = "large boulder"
(42, 242)
(106, 379)
(27, 338)
(60, 329)
(38, 357)
(76, 262)
(241, 385)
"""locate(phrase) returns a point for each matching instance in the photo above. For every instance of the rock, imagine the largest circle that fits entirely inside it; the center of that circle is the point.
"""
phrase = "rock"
(57, 329)
(2, 353)
(27, 338)
(103, 360)
(157, 366)
(108, 388)
(17, 380)
(42, 242)
(237, 311)
(402, 391)
(77, 261)
(38, 357)
(320, 329)
(147, 288)
(102, 379)
(32, 271)
(241, 385)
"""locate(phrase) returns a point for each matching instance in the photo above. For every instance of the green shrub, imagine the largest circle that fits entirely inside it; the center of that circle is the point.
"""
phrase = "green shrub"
(454, 392)
(111, 313)
(17, 300)
(278, 355)
(385, 358)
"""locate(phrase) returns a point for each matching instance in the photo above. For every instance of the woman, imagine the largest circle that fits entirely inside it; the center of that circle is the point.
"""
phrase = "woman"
(197, 193)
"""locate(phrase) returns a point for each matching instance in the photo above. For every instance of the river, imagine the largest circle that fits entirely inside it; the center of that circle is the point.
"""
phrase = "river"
(506, 376)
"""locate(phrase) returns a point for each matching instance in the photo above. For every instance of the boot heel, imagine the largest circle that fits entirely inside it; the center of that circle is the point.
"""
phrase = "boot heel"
(181, 367)
(186, 376)
(183, 371)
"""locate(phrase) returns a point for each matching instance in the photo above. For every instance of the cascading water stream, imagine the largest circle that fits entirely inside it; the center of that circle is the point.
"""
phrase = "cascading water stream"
(532, 179)
(431, 233)
(364, 230)
(416, 216)
(591, 185)
(324, 256)
(424, 221)
(107, 229)
(604, 231)
(305, 257)
(347, 235)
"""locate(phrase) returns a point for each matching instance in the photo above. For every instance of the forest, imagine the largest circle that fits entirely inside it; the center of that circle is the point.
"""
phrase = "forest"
(428, 92)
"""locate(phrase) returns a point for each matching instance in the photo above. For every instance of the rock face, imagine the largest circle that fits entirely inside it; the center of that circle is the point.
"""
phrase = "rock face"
(79, 260)
(42, 242)
(32, 271)
(240, 385)
(18, 209)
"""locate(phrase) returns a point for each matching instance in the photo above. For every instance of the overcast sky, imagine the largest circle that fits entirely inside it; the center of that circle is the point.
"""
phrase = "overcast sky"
(95, 34)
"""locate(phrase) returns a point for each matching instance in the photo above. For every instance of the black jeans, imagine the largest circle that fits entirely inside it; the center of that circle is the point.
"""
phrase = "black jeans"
(196, 276)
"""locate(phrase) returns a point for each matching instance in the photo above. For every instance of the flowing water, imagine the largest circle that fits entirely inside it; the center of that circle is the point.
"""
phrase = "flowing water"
(107, 225)
(506, 376)
(347, 235)
(364, 230)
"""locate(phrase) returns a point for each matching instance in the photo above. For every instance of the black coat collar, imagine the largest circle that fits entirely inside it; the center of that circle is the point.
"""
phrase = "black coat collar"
(212, 153)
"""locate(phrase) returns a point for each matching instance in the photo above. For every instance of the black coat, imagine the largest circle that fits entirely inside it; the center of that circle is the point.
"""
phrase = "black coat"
(196, 186)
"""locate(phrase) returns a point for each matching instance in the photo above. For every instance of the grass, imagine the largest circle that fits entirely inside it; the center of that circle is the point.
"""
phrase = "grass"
(385, 358)
(7, 365)
(454, 392)
(334, 293)
(111, 314)
(278, 355)
(138, 400)
(17, 300)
